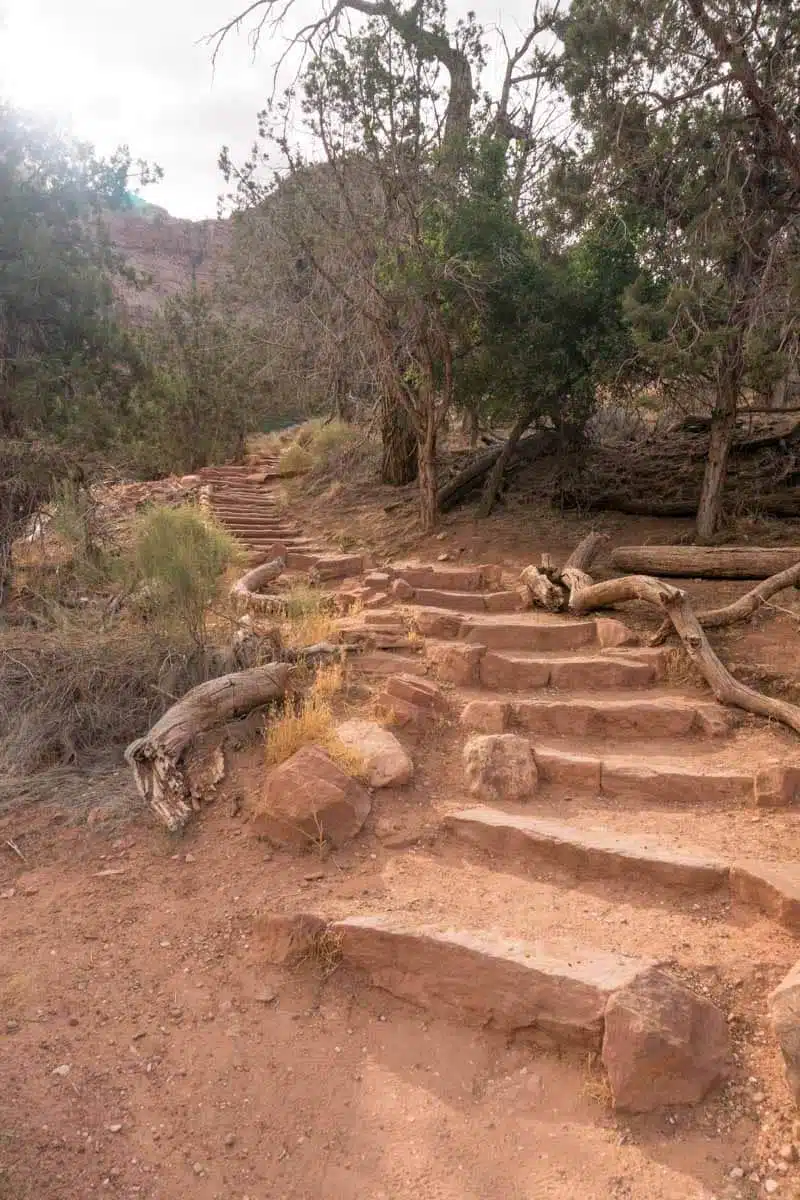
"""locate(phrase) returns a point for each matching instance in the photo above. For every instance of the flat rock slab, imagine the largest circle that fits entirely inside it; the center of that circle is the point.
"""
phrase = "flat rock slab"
(644, 779)
(451, 579)
(597, 716)
(774, 888)
(487, 980)
(596, 852)
(458, 601)
(527, 633)
(519, 671)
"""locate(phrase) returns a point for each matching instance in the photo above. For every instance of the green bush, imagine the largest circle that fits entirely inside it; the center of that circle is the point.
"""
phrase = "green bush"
(179, 558)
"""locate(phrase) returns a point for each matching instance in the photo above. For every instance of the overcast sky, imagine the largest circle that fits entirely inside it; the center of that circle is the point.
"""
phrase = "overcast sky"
(136, 71)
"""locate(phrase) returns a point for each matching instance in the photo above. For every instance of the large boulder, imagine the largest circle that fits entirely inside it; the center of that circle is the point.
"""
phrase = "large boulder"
(662, 1044)
(386, 762)
(500, 766)
(784, 1011)
(308, 800)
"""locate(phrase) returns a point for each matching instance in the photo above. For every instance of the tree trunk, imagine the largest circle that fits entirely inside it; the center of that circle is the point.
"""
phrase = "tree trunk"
(706, 562)
(426, 458)
(161, 760)
(399, 457)
(495, 476)
(723, 424)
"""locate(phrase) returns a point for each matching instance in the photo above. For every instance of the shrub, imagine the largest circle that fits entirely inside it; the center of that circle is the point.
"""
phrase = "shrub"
(295, 460)
(180, 558)
(72, 696)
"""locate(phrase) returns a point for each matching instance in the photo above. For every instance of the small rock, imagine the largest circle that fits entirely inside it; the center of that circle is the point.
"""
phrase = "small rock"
(115, 1128)
(189, 858)
(442, 557)
(770, 1186)
(197, 1168)
(440, 537)
(737, 1173)
(8, 894)
(788, 1152)
(267, 995)
(230, 1139)
(63, 1070)
(759, 1097)
(313, 876)
(500, 766)
(12, 1026)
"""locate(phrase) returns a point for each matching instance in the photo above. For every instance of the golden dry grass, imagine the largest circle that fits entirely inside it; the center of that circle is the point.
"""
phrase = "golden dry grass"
(309, 617)
(313, 722)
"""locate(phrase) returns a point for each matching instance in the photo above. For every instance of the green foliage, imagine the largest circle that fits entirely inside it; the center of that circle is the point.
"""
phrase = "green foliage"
(200, 395)
(180, 559)
(63, 360)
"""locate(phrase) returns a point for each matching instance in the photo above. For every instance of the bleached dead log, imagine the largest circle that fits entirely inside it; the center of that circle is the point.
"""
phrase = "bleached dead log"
(245, 592)
(162, 759)
(706, 562)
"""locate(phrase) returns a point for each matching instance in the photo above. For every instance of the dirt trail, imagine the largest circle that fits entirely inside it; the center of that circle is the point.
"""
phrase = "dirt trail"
(194, 1068)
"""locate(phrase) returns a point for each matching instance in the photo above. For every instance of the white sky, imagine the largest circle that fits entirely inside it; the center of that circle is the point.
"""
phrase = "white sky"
(114, 71)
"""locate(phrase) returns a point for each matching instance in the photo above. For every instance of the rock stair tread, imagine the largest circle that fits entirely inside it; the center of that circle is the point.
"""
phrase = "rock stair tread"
(771, 887)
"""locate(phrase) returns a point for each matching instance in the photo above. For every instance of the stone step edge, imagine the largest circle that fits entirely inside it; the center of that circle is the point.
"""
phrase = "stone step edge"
(771, 888)
(580, 999)
(770, 786)
(485, 714)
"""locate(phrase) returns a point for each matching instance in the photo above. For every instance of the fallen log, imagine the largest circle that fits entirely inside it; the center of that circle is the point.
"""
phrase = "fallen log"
(246, 591)
(533, 446)
(706, 562)
(743, 608)
(162, 759)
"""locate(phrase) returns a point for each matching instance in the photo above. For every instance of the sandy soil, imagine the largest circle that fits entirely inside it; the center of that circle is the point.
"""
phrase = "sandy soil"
(148, 1051)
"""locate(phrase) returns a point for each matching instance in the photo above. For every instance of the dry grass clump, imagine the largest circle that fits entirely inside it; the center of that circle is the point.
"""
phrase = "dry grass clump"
(308, 616)
(68, 696)
(312, 722)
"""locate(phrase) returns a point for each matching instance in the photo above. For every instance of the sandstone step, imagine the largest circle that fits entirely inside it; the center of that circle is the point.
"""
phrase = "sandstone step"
(628, 717)
(527, 632)
(646, 780)
(660, 1043)
(480, 979)
(517, 671)
(774, 888)
(382, 663)
(594, 852)
(468, 602)
(450, 579)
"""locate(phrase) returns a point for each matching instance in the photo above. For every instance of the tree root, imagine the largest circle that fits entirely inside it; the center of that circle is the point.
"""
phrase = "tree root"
(739, 610)
(580, 594)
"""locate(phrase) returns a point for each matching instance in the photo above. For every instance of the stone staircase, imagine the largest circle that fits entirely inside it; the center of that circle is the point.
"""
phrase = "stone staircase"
(637, 841)
(641, 844)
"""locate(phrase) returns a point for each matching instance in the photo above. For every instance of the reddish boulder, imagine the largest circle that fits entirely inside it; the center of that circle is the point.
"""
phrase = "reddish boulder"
(662, 1044)
(309, 799)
